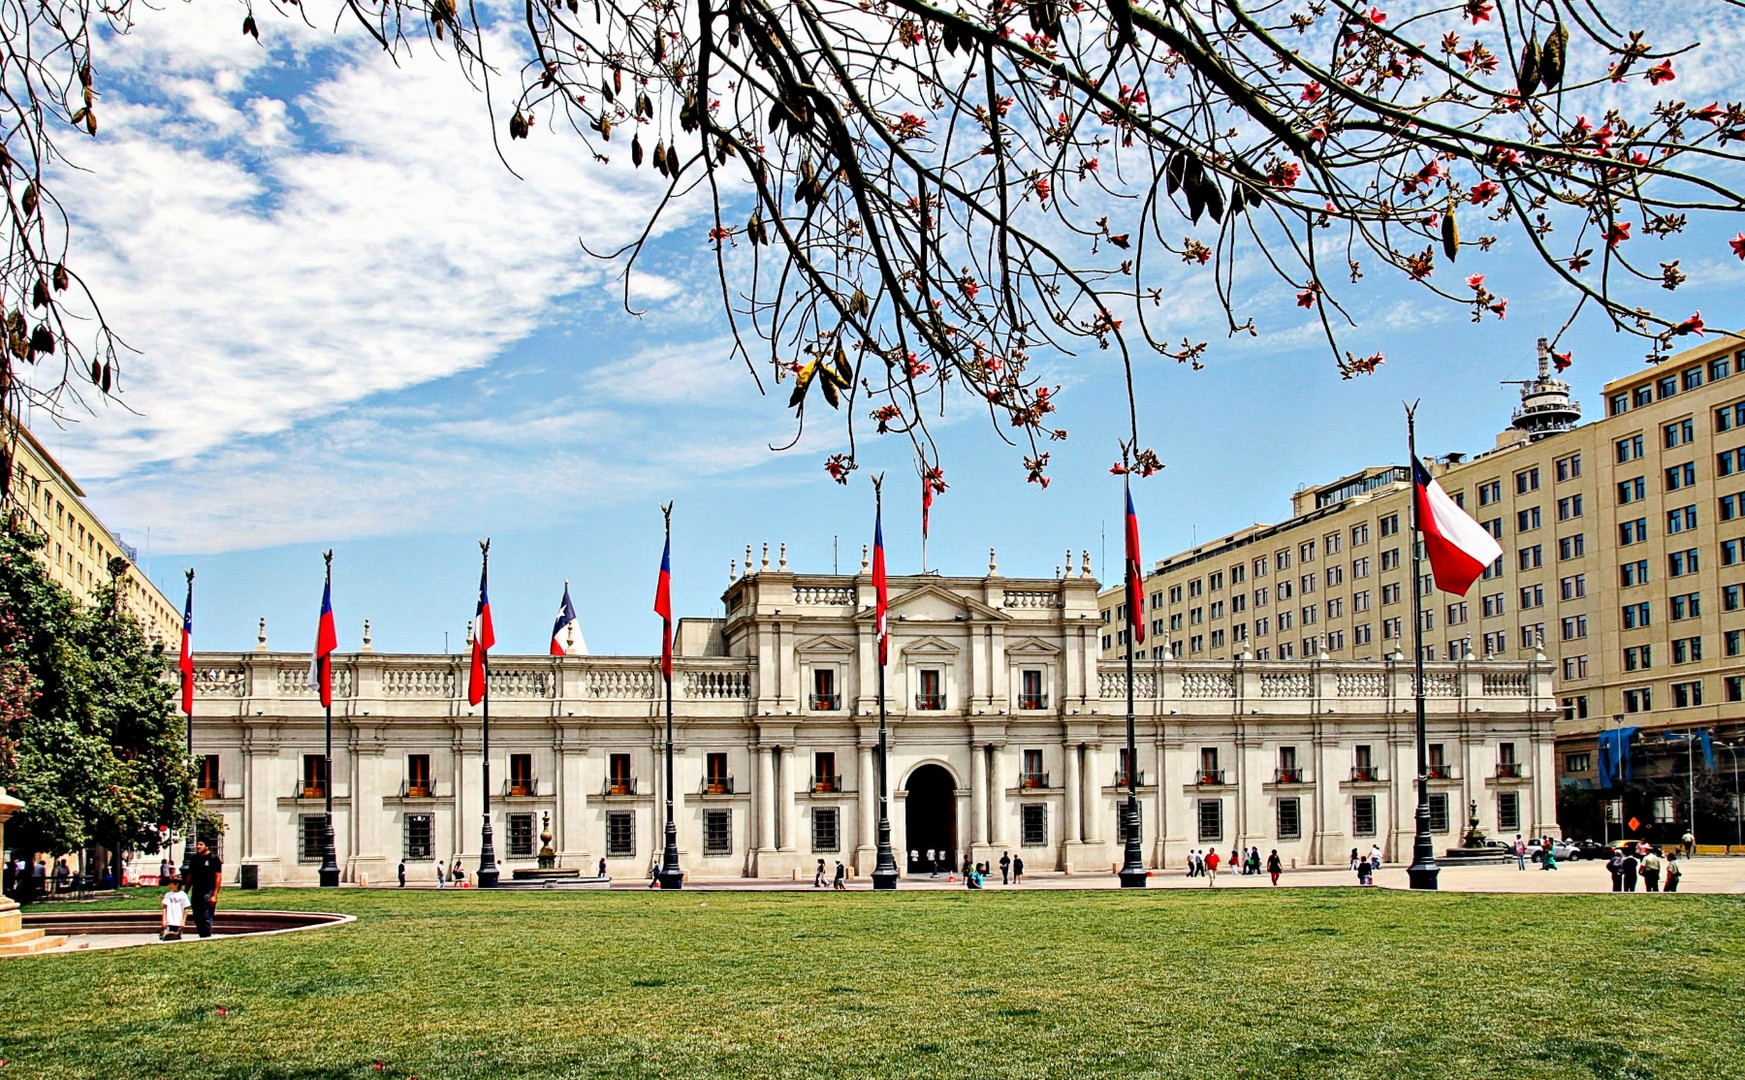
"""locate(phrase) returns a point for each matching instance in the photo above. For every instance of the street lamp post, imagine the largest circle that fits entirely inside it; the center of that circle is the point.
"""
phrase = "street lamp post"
(884, 875)
(1423, 873)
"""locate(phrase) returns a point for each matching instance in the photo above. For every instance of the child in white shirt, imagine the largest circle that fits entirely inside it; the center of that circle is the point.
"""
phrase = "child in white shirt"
(176, 903)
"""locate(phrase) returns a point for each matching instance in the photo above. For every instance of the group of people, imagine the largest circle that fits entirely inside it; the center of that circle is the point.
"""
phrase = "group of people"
(1365, 866)
(205, 874)
(1656, 871)
(1205, 864)
(975, 874)
(838, 881)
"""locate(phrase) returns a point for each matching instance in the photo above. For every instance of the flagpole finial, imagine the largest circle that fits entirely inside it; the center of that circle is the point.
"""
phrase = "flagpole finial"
(485, 547)
(666, 509)
(190, 576)
(878, 483)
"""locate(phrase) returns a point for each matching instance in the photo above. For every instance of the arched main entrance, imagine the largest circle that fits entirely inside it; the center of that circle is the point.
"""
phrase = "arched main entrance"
(930, 819)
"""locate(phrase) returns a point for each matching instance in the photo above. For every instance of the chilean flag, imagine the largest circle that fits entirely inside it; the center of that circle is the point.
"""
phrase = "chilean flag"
(881, 613)
(326, 641)
(483, 638)
(663, 606)
(186, 664)
(1459, 547)
(1135, 578)
(566, 616)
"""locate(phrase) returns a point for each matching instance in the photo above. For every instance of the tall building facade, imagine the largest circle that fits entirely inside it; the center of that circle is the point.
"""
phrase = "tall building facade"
(1007, 734)
(48, 501)
(1623, 559)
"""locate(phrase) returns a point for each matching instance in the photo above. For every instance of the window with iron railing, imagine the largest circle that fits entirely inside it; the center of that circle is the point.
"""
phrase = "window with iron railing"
(716, 781)
(210, 785)
(1032, 695)
(521, 774)
(824, 694)
(1033, 776)
(619, 780)
(418, 776)
(824, 777)
(314, 776)
(931, 694)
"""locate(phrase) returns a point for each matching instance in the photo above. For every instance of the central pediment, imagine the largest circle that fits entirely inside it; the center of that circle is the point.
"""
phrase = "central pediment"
(934, 603)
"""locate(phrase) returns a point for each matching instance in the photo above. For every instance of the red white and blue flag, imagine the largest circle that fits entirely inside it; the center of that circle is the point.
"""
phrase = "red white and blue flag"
(186, 664)
(326, 641)
(663, 606)
(483, 638)
(566, 616)
(882, 612)
(1459, 547)
(1135, 578)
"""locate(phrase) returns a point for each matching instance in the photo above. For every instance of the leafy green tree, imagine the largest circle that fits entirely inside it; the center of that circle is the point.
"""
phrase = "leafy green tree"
(90, 740)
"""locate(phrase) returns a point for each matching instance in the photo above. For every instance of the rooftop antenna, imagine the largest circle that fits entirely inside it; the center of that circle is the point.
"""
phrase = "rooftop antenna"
(1546, 408)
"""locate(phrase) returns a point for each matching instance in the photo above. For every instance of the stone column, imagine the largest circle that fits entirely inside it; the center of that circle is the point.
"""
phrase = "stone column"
(1071, 836)
(866, 782)
(1091, 792)
(766, 802)
(784, 792)
(997, 804)
(978, 800)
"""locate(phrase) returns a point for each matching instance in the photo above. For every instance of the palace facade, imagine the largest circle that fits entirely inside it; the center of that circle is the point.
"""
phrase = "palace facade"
(1007, 733)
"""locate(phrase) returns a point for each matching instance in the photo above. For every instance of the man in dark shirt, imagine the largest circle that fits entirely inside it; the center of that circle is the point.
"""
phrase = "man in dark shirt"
(204, 877)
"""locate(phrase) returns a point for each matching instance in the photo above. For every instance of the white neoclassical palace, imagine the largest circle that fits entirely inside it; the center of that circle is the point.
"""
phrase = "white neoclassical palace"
(1006, 731)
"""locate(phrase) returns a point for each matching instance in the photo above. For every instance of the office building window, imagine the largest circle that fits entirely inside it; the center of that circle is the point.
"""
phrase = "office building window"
(1636, 616)
(1729, 507)
(1735, 687)
(1532, 596)
(1532, 635)
(1530, 558)
(1679, 477)
(1680, 563)
(1526, 520)
(1686, 606)
(1633, 573)
(1361, 634)
(1575, 667)
(1360, 534)
(1574, 627)
(1629, 448)
(1572, 547)
(1729, 462)
(1687, 695)
(1728, 417)
(1290, 819)
(1678, 433)
(825, 835)
(1575, 707)
(1390, 525)
(1730, 552)
(1390, 559)
(1687, 650)
(1633, 532)
(1569, 468)
(416, 837)
(1681, 519)
(1638, 699)
(1638, 657)
(1527, 480)
(1035, 825)
(1568, 507)
(1617, 404)
(1496, 643)
(717, 832)
(1633, 490)
(1731, 598)
(1573, 587)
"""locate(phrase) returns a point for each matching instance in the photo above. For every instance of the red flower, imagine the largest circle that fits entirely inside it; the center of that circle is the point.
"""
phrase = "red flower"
(1377, 16)
(1483, 192)
(1476, 281)
(1042, 188)
(1738, 244)
(1661, 72)
(1501, 308)
(1312, 92)
(1692, 325)
(1306, 298)
(1117, 469)
(1561, 361)
(1618, 233)
(1712, 112)
(1478, 11)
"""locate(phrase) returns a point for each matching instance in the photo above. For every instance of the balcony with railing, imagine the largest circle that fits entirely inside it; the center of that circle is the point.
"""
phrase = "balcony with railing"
(619, 785)
(717, 784)
(1366, 774)
(1033, 780)
(307, 789)
(523, 787)
(1209, 778)
(1509, 770)
(832, 782)
(824, 702)
(217, 790)
(422, 790)
(1121, 777)
(1292, 775)
(929, 702)
(1032, 701)
(1439, 771)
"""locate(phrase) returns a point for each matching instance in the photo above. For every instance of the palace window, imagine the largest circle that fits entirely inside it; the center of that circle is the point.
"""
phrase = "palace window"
(1508, 811)
(210, 787)
(825, 834)
(418, 776)
(1363, 815)
(418, 833)
(1035, 821)
(824, 775)
(314, 776)
(715, 778)
(824, 693)
(620, 833)
(311, 836)
(1290, 819)
(521, 774)
(1439, 812)
(520, 836)
(1211, 820)
(717, 832)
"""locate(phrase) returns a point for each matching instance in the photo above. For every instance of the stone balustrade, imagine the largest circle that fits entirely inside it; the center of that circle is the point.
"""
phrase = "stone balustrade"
(1351, 686)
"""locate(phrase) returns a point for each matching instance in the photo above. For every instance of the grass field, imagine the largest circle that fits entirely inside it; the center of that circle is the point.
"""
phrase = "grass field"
(1295, 983)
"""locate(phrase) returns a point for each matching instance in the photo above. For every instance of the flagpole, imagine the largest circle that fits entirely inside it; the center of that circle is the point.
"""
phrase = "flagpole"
(884, 875)
(329, 875)
(188, 700)
(671, 876)
(1423, 872)
(1133, 857)
(487, 875)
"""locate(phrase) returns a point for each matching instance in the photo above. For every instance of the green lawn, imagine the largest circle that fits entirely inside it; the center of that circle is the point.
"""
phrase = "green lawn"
(1293, 983)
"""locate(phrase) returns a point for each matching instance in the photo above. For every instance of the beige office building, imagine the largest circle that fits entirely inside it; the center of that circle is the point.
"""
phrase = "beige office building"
(48, 501)
(1623, 559)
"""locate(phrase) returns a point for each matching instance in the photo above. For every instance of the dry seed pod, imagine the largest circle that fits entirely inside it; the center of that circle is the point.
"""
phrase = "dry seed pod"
(39, 294)
(659, 48)
(1214, 200)
(1450, 234)
(606, 128)
(108, 371)
(96, 373)
(1552, 58)
(42, 340)
(606, 91)
(62, 279)
(27, 201)
(660, 157)
(617, 78)
(636, 150)
(1527, 78)
(91, 121)
(518, 126)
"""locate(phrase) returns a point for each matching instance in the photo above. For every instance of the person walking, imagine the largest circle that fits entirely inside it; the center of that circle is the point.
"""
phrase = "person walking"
(840, 882)
(1374, 856)
(1673, 871)
(1018, 870)
(1631, 862)
(818, 878)
(1364, 868)
(1274, 865)
(1690, 844)
(602, 868)
(1651, 867)
(205, 872)
(62, 873)
(1354, 859)
(402, 873)
(1615, 867)
(1005, 868)
(1212, 869)
(1520, 847)
(441, 878)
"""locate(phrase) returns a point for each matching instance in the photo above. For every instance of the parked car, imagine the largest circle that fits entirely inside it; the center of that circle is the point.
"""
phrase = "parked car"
(1591, 849)
(1564, 850)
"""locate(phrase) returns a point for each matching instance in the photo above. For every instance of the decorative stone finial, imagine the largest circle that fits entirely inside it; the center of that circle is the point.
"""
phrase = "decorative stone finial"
(783, 567)
(1469, 658)
(993, 568)
(261, 638)
(863, 562)
(366, 647)
(570, 646)
(469, 633)
(1085, 566)
(732, 571)
(765, 567)
(748, 560)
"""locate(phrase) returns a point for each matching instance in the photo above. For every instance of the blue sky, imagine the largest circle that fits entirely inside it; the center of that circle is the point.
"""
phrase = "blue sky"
(356, 329)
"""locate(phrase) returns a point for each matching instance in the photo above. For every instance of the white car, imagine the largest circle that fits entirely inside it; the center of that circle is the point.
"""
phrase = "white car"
(1563, 850)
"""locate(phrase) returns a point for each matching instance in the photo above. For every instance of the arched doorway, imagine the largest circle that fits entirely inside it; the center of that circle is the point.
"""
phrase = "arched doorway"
(930, 820)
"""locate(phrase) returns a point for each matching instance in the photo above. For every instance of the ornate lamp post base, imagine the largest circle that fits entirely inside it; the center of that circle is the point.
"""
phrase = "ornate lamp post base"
(1133, 872)
(1423, 872)
(329, 857)
(671, 876)
(488, 875)
(884, 875)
